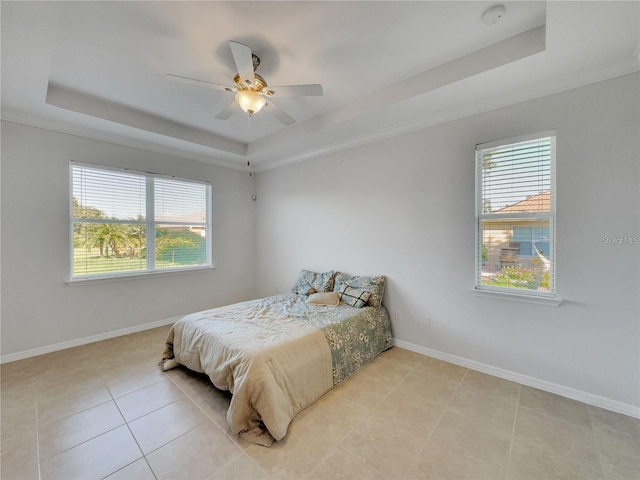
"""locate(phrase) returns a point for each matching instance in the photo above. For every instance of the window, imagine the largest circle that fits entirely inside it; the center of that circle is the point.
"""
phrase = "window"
(113, 212)
(515, 208)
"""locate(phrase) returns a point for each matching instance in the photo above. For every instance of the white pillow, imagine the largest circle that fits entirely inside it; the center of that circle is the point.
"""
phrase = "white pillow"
(324, 298)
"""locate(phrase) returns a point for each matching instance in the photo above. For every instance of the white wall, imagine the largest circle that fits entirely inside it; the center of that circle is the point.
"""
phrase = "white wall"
(404, 207)
(39, 309)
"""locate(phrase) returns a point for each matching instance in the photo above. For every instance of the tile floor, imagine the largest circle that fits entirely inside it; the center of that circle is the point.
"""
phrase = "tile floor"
(105, 410)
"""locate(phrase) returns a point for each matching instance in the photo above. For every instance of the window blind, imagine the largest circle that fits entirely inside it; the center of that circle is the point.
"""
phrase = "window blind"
(114, 211)
(515, 216)
(516, 178)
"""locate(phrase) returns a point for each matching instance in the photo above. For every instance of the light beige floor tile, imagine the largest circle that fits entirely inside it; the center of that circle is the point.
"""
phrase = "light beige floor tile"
(56, 364)
(18, 373)
(16, 394)
(94, 459)
(192, 383)
(554, 435)
(71, 378)
(132, 378)
(138, 470)
(193, 456)
(290, 458)
(619, 457)
(18, 429)
(166, 424)
(375, 425)
(488, 385)
(366, 391)
(382, 369)
(240, 468)
(433, 390)
(529, 462)
(339, 465)
(312, 435)
(214, 403)
(439, 463)
(32, 369)
(442, 370)
(73, 399)
(499, 413)
(402, 356)
(555, 406)
(387, 448)
(408, 412)
(481, 438)
(56, 437)
(147, 399)
(17, 413)
(615, 424)
(329, 420)
(19, 458)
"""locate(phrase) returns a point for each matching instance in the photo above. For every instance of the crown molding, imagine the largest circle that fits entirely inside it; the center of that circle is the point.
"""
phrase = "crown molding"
(82, 131)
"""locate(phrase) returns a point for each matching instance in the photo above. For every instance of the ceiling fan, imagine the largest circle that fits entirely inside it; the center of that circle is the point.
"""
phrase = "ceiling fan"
(251, 89)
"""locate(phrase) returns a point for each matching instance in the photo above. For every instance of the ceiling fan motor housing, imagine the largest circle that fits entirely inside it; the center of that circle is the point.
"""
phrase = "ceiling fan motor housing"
(258, 84)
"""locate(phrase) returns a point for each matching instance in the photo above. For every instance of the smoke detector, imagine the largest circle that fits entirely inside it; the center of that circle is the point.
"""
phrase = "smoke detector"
(493, 15)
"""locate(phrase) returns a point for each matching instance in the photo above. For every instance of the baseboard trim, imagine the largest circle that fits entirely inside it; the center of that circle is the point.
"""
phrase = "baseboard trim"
(585, 397)
(12, 357)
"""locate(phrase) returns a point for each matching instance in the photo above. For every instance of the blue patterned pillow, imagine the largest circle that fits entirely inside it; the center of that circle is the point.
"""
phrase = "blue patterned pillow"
(374, 285)
(309, 282)
(324, 281)
(356, 297)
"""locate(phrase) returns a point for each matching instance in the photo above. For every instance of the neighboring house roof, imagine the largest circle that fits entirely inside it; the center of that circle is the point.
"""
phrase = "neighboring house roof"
(534, 203)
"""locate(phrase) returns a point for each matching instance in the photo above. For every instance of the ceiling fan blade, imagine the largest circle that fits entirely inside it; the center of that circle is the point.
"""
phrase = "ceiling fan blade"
(313, 90)
(244, 61)
(226, 112)
(279, 114)
(199, 83)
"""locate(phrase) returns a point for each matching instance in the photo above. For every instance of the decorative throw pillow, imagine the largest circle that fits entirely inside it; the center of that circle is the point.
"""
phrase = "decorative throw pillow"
(356, 297)
(309, 282)
(324, 281)
(331, 299)
(374, 285)
(304, 283)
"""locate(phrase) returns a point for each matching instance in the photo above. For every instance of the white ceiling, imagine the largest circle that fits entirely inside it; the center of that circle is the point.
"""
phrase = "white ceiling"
(98, 68)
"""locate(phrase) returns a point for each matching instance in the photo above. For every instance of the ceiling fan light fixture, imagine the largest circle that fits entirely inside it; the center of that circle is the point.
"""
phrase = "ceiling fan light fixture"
(250, 101)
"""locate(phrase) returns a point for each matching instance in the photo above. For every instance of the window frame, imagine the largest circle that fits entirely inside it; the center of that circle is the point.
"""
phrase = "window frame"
(522, 294)
(150, 224)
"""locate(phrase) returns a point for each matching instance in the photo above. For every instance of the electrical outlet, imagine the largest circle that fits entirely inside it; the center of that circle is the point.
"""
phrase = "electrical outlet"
(426, 321)
(398, 314)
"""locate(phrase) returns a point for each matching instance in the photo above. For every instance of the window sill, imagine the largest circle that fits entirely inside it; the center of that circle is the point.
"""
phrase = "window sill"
(516, 297)
(94, 280)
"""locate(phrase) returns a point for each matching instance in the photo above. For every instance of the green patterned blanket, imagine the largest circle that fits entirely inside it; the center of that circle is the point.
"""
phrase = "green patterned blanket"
(355, 335)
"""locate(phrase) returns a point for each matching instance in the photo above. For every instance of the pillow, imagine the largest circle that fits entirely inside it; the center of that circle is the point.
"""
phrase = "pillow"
(356, 297)
(309, 282)
(324, 281)
(374, 285)
(331, 299)
(303, 285)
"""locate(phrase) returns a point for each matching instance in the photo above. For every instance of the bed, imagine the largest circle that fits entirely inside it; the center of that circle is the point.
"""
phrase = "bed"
(279, 354)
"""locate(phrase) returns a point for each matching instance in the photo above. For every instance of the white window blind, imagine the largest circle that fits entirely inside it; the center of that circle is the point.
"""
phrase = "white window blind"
(515, 216)
(114, 211)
